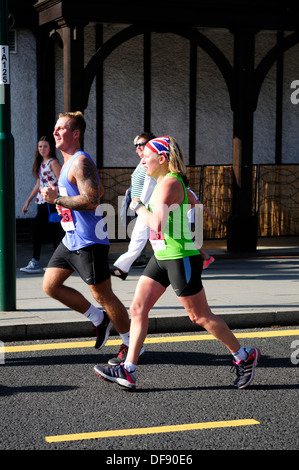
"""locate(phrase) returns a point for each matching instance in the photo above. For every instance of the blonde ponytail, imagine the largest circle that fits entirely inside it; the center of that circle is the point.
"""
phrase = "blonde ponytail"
(176, 162)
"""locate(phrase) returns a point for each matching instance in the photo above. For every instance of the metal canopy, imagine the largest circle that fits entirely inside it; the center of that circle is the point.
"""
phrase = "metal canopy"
(196, 13)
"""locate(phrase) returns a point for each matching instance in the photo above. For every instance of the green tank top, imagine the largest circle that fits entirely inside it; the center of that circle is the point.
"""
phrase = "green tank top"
(175, 240)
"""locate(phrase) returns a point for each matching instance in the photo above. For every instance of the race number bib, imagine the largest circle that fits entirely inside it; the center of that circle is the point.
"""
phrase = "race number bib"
(157, 240)
(67, 222)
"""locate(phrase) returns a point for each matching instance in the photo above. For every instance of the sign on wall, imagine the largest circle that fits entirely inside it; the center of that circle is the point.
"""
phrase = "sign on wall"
(4, 71)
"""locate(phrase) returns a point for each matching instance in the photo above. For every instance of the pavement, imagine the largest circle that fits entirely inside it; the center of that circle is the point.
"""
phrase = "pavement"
(248, 290)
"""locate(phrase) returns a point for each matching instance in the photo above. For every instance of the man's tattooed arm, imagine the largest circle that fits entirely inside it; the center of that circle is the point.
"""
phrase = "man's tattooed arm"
(83, 173)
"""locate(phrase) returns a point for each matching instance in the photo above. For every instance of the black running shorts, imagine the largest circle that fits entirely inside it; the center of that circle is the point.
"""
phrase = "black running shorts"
(184, 274)
(91, 262)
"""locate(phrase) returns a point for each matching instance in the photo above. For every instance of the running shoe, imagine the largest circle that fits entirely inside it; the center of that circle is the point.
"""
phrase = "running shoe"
(103, 331)
(117, 374)
(245, 369)
(139, 264)
(122, 355)
(117, 272)
(207, 262)
(32, 267)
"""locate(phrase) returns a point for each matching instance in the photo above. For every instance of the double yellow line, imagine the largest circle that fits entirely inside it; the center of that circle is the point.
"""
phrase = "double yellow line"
(154, 340)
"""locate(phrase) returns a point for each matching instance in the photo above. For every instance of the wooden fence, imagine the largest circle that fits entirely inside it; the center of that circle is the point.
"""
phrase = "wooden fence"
(275, 196)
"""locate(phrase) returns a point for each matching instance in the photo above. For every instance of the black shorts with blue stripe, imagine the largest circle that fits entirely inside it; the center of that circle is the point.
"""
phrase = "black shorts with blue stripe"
(183, 274)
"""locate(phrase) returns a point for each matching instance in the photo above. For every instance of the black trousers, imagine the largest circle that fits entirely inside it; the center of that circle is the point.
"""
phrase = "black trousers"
(43, 230)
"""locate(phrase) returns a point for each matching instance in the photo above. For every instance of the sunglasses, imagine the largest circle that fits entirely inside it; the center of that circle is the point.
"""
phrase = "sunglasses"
(142, 144)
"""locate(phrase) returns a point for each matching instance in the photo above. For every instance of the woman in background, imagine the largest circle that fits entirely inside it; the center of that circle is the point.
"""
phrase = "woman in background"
(46, 169)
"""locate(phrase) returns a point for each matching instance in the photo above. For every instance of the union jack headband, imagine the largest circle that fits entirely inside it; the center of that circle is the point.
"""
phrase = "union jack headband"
(160, 145)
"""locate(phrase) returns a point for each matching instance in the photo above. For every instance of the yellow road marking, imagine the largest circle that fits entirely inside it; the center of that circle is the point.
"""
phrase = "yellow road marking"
(160, 339)
(45, 347)
(151, 430)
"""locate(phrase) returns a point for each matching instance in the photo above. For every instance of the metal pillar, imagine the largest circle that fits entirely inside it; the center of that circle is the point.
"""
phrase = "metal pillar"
(242, 225)
(7, 193)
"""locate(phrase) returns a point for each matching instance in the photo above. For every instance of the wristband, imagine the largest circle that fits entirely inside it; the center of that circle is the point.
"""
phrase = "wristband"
(135, 205)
